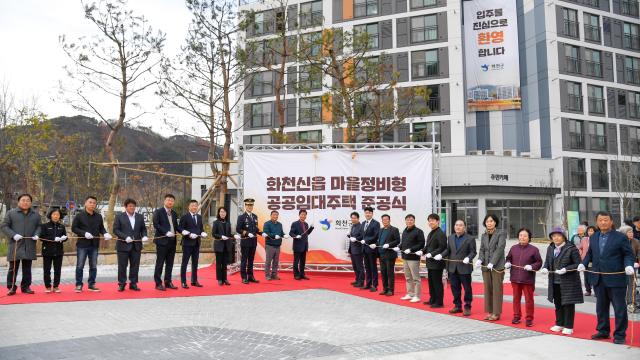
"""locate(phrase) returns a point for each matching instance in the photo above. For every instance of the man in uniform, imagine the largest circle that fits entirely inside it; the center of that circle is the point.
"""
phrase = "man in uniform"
(247, 229)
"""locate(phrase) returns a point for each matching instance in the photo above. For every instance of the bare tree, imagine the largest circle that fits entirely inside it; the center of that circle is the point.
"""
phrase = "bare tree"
(115, 63)
(625, 181)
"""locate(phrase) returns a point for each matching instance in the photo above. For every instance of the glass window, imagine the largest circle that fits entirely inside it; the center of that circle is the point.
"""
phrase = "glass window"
(368, 69)
(632, 69)
(634, 140)
(576, 134)
(261, 115)
(593, 62)
(262, 83)
(599, 174)
(466, 210)
(577, 174)
(417, 4)
(597, 136)
(424, 28)
(313, 136)
(570, 19)
(630, 38)
(596, 99)
(260, 139)
(634, 104)
(311, 14)
(424, 64)
(592, 27)
(310, 110)
(572, 57)
(312, 43)
(365, 8)
(310, 78)
(367, 34)
(424, 132)
(574, 92)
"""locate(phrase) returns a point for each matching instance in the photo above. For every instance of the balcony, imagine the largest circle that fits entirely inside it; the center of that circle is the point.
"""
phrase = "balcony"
(629, 8)
(596, 105)
(593, 68)
(632, 75)
(570, 29)
(599, 181)
(434, 104)
(260, 120)
(425, 70)
(573, 65)
(576, 141)
(634, 111)
(598, 142)
(630, 41)
(592, 33)
(314, 18)
(574, 102)
(577, 180)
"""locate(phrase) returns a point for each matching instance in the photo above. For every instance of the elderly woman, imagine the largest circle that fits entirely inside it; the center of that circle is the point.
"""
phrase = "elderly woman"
(565, 290)
(527, 261)
(53, 235)
(581, 233)
(491, 258)
(583, 248)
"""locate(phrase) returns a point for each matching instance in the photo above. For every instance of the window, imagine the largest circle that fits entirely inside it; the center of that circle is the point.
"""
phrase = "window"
(599, 175)
(629, 7)
(310, 78)
(592, 27)
(365, 104)
(634, 140)
(365, 8)
(310, 110)
(598, 137)
(577, 174)
(593, 62)
(262, 24)
(312, 43)
(417, 4)
(367, 36)
(570, 22)
(571, 55)
(368, 69)
(424, 28)
(262, 84)
(630, 38)
(424, 64)
(313, 136)
(632, 70)
(574, 96)
(260, 139)
(311, 14)
(261, 115)
(596, 99)
(634, 105)
(424, 132)
(576, 134)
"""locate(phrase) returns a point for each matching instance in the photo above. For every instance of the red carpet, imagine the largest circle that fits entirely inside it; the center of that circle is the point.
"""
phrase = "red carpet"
(543, 319)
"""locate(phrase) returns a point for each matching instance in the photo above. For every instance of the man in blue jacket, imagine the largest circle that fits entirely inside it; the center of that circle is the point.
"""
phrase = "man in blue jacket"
(609, 251)
(272, 234)
(300, 231)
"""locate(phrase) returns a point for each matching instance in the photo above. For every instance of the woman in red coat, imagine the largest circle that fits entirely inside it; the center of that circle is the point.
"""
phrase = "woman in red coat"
(527, 261)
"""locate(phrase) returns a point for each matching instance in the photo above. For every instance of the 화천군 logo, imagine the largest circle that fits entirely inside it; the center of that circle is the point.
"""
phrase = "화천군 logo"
(326, 224)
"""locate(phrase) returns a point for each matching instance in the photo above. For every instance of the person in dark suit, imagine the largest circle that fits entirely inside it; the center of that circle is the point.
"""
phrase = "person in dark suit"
(388, 239)
(131, 232)
(192, 233)
(165, 224)
(222, 244)
(370, 229)
(355, 249)
(460, 246)
(436, 244)
(609, 251)
(247, 229)
(300, 231)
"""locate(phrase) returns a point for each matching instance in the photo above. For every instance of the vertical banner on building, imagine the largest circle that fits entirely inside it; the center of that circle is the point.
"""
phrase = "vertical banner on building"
(573, 221)
(491, 55)
(330, 185)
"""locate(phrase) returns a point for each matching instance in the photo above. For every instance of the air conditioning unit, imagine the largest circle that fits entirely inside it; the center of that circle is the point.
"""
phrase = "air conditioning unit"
(525, 154)
(510, 153)
(489, 152)
(475, 152)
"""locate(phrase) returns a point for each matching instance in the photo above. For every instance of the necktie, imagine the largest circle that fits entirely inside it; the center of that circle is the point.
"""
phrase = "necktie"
(366, 223)
(304, 227)
(195, 221)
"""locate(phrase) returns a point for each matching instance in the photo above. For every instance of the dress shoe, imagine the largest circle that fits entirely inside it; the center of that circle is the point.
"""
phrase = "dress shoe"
(253, 280)
(11, 292)
(196, 284)
(28, 291)
(134, 287)
(275, 277)
(226, 282)
(160, 287)
(426, 302)
(245, 281)
(93, 288)
(297, 278)
(120, 288)
(185, 286)
(528, 323)
(618, 341)
(373, 289)
(455, 310)
(389, 293)
(353, 283)
(437, 306)
(366, 287)
(466, 312)
(220, 282)
(304, 277)
(494, 318)
(599, 336)
(170, 286)
(515, 321)
(383, 292)
(358, 285)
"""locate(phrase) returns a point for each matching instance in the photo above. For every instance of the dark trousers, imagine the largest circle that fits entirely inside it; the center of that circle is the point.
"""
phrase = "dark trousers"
(436, 290)
(129, 259)
(57, 269)
(387, 270)
(299, 262)
(458, 281)
(357, 263)
(193, 253)
(12, 273)
(165, 255)
(527, 290)
(371, 269)
(587, 282)
(247, 254)
(221, 265)
(565, 314)
(616, 296)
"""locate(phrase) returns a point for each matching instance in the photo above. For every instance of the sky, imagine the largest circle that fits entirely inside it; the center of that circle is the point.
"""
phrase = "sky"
(32, 60)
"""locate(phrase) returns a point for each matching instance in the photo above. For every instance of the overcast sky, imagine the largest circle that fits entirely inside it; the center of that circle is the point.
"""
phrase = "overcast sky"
(32, 60)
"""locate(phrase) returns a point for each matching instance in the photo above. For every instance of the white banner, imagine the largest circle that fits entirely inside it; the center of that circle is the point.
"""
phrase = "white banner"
(491, 55)
(330, 185)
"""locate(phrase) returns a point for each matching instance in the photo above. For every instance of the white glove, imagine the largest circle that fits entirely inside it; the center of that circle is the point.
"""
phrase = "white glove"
(489, 266)
(396, 249)
(203, 234)
(278, 237)
(507, 265)
(429, 256)
(353, 239)
(544, 271)
(107, 236)
(88, 235)
(478, 263)
(251, 235)
(629, 270)
(185, 233)
(528, 267)
(128, 240)
(407, 251)
(237, 236)
(35, 238)
(385, 246)
(373, 246)
(63, 238)
(419, 252)
(581, 268)
(465, 260)
(145, 239)
(170, 234)
(224, 237)
(193, 236)
(438, 257)
(56, 239)
(636, 265)
(298, 236)
(561, 271)
(17, 237)
(287, 236)
(362, 242)
(264, 235)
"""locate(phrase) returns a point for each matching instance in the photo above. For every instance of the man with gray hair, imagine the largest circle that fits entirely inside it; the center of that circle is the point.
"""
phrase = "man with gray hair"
(581, 232)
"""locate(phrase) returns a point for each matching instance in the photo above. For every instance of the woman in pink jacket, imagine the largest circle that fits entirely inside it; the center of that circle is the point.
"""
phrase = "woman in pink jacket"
(583, 248)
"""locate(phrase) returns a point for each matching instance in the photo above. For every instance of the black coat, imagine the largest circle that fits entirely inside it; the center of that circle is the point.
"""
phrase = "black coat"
(436, 244)
(248, 224)
(412, 239)
(161, 226)
(467, 249)
(83, 223)
(50, 231)
(570, 285)
(218, 229)
(356, 232)
(391, 237)
(122, 229)
(370, 236)
(186, 223)
(302, 244)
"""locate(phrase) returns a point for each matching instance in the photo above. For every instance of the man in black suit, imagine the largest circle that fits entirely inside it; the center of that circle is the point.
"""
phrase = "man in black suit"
(460, 247)
(247, 229)
(356, 249)
(436, 244)
(131, 232)
(192, 232)
(609, 251)
(165, 223)
(300, 231)
(388, 238)
(370, 229)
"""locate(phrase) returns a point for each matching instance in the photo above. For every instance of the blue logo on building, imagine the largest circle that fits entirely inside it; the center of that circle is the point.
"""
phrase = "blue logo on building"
(326, 224)
(484, 67)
